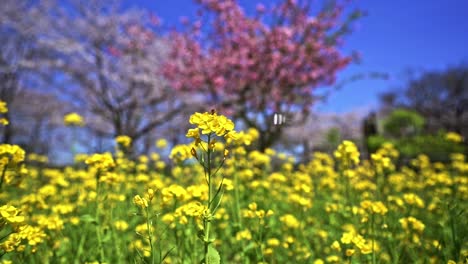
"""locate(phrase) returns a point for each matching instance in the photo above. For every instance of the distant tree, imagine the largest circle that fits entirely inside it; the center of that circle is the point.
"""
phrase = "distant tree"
(440, 97)
(321, 131)
(403, 123)
(37, 122)
(19, 47)
(254, 67)
(108, 61)
(333, 137)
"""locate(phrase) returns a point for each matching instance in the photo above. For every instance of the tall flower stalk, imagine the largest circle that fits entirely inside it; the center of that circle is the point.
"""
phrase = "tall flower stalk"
(211, 128)
(101, 164)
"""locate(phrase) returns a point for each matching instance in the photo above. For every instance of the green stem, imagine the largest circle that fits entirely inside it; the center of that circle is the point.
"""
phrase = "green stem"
(150, 235)
(453, 232)
(80, 248)
(236, 198)
(207, 222)
(3, 175)
(98, 222)
(373, 239)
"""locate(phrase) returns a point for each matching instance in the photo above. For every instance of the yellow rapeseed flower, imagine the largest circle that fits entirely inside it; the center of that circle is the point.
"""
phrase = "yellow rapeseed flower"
(124, 140)
(374, 207)
(347, 153)
(273, 242)
(140, 202)
(211, 123)
(453, 137)
(290, 221)
(121, 225)
(161, 143)
(102, 162)
(73, 119)
(11, 215)
(3, 107)
(411, 223)
(336, 246)
(243, 235)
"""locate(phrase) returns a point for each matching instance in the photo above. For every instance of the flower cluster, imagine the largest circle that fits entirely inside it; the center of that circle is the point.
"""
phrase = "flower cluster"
(348, 154)
(211, 123)
(73, 119)
(13, 219)
(11, 163)
(374, 207)
(411, 223)
(3, 110)
(254, 212)
(124, 141)
(11, 154)
(454, 137)
(101, 162)
(351, 237)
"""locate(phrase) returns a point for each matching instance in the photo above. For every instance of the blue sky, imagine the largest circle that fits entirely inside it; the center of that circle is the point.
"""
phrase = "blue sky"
(394, 36)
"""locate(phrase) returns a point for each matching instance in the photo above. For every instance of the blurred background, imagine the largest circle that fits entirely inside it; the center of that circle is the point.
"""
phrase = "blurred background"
(367, 71)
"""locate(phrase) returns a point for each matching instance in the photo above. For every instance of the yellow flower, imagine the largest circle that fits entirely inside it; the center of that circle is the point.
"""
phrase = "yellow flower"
(52, 222)
(350, 252)
(336, 246)
(3, 107)
(4, 122)
(195, 134)
(454, 137)
(11, 242)
(194, 209)
(121, 225)
(243, 235)
(11, 214)
(73, 119)
(333, 258)
(273, 242)
(411, 223)
(181, 152)
(161, 143)
(347, 153)
(374, 207)
(14, 153)
(149, 195)
(102, 162)
(346, 238)
(210, 123)
(140, 202)
(34, 235)
(413, 199)
(290, 221)
(124, 140)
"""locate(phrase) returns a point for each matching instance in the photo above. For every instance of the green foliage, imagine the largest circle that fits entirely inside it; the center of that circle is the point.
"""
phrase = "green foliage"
(333, 137)
(402, 123)
(375, 142)
(212, 256)
(435, 146)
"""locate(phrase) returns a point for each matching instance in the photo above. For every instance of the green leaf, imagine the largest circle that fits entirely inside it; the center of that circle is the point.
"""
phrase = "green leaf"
(88, 219)
(212, 256)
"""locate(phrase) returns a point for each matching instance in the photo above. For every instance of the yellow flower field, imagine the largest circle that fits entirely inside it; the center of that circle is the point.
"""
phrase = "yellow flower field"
(220, 202)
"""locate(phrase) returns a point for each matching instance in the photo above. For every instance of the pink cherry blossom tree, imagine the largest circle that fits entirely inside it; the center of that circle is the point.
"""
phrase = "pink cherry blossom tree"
(251, 67)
